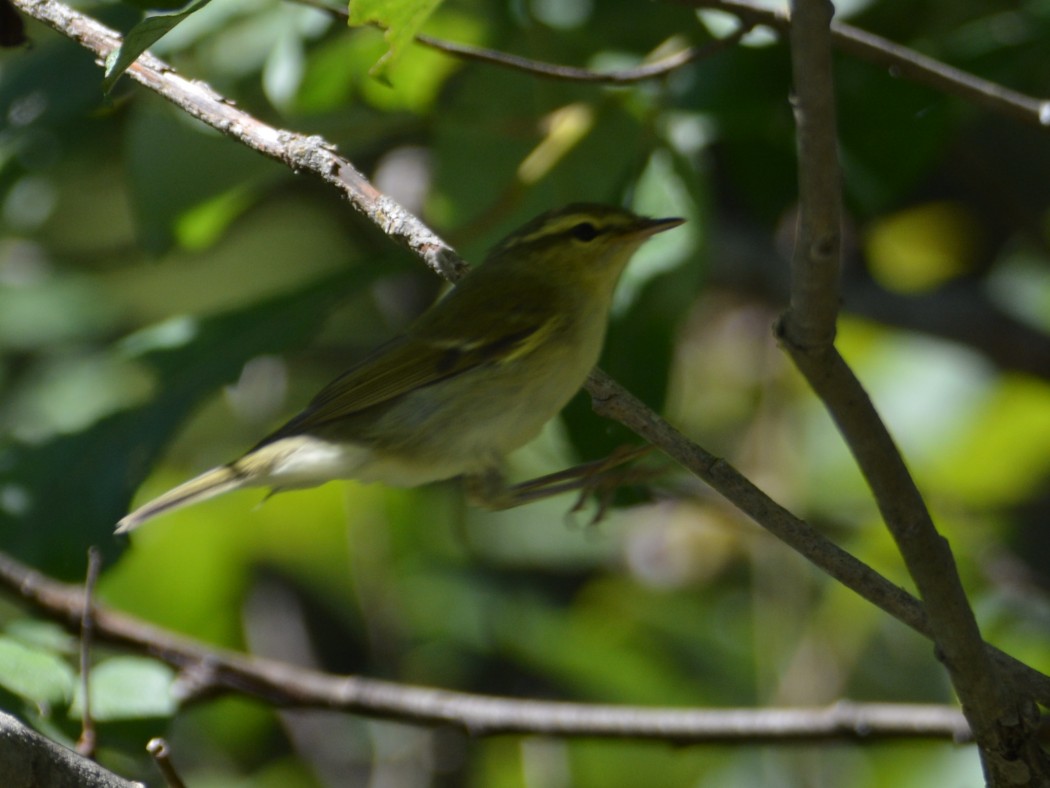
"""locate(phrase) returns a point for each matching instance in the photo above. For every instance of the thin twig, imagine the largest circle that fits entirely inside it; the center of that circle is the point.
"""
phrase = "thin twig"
(902, 61)
(86, 743)
(161, 752)
(218, 670)
(538, 68)
(297, 151)
(626, 76)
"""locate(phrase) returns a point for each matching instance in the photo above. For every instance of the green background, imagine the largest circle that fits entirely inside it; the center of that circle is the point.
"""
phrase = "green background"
(168, 296)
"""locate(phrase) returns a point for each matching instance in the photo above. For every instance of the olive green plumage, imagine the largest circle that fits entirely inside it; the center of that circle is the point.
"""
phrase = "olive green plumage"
(474, 378)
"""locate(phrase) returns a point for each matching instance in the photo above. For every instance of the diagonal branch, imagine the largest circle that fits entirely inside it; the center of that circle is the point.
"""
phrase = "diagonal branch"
(901, 60)
(816, 262)
(615, 402)
(213, 670)
(296, 151)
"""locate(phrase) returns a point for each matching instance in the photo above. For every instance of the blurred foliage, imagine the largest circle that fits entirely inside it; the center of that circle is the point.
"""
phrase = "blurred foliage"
(166, 296)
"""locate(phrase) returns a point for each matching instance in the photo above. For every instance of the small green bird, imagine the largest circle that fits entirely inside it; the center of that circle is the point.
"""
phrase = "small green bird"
(475, 377)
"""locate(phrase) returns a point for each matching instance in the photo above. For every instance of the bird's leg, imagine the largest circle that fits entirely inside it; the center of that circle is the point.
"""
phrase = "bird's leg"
(601, 477)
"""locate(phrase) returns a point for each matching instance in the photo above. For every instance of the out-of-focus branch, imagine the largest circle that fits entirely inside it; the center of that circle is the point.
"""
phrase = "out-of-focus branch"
(86, 742)
(747, 263)
(160, 751)
(902, 61)
(624, 76)
(212, 670)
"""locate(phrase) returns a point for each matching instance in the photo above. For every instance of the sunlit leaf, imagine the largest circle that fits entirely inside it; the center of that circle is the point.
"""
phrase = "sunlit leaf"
(140, 38)
(400, 19)
(125, 688)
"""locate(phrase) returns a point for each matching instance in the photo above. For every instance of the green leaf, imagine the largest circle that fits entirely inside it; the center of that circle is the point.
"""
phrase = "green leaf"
(128, 688)
(34, 674)
(39, 634)
(400, 19)
(140, 38)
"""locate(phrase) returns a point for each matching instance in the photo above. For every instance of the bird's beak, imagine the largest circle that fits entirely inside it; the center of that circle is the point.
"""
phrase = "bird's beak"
(648, 227)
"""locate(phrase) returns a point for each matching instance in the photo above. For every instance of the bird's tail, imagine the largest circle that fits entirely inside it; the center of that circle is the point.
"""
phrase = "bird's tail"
(209, 484)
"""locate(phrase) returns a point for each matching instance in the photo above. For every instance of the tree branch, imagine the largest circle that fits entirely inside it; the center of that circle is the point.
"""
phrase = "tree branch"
(537, 68)
(816, 262)
(88, 739)
(615, 402)
(1004, 721)
(626, 76)
(902, 61)
(29, 760)
(296, 151)
(213, 670)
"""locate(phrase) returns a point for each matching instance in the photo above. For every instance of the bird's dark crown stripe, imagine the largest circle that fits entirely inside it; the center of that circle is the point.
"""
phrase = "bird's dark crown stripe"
(561, 226)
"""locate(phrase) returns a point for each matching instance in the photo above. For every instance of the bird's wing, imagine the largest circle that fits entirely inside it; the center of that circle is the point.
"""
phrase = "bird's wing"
(438, 347)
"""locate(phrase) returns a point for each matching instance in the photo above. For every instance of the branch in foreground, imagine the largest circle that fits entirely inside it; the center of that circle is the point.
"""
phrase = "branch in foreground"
(537, 68)
(87, 741)
(214, 670)
(29, 760)
(161, 752)
(901, 60)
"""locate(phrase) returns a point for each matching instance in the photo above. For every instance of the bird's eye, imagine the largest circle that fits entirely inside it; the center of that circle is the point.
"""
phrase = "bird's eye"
(584, 231)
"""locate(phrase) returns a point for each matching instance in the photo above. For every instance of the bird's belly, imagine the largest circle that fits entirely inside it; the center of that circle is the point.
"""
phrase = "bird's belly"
(467, 425)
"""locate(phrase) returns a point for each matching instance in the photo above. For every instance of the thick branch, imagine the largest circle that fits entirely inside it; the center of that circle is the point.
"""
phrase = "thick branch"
(1002, 720)
(214, 670)
(29, 760)
(818, 245)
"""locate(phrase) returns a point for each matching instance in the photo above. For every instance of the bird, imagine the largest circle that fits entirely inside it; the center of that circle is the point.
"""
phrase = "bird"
(472, 379)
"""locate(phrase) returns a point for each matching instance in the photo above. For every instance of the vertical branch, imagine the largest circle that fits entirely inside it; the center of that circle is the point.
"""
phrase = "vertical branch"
(1002, 723)
(818, 244)
(86, 742)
